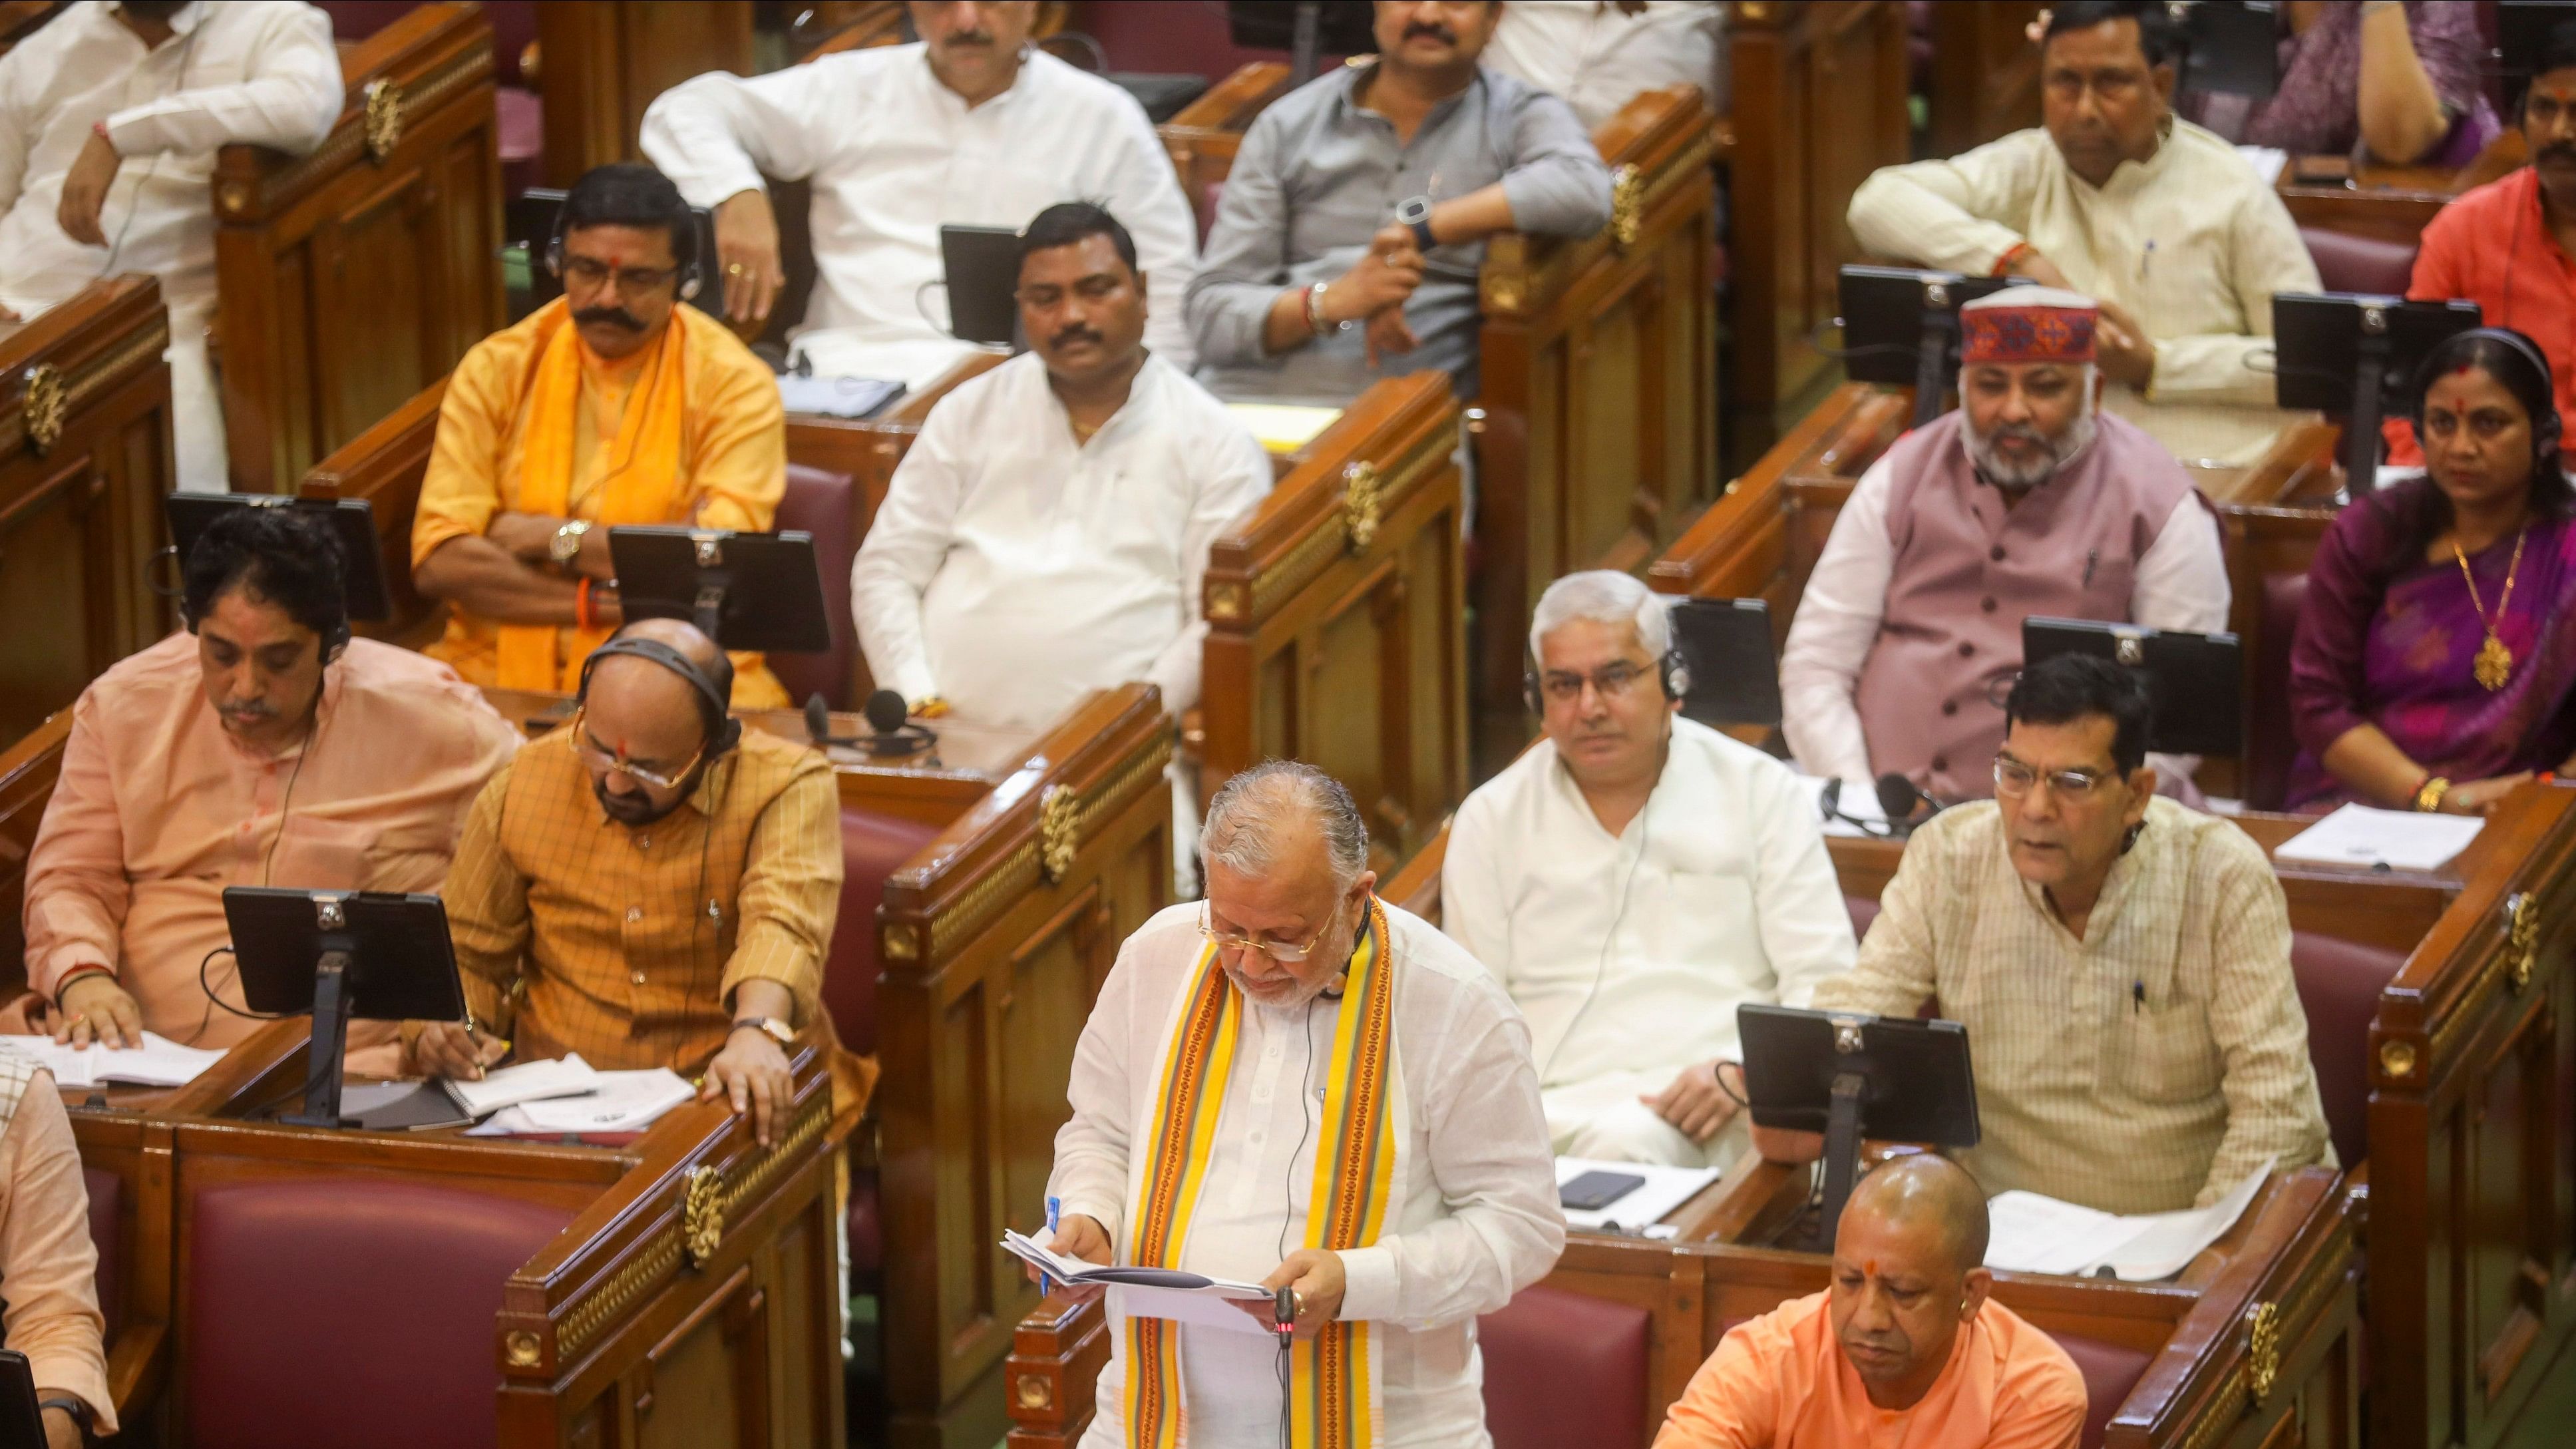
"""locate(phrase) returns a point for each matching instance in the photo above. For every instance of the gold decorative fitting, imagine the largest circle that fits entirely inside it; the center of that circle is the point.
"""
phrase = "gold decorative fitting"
(1057, 838)
(522, 1349)
(1225, 601)
(235, 197)
(384, 118)
(2522, 936)
(1505, 292)
(702, 1215)
(902, 942)
(1361, 502)
(2262, 1350)
(2397, 1058)
(46, 406)
(1627, 205)
(1034, 1392)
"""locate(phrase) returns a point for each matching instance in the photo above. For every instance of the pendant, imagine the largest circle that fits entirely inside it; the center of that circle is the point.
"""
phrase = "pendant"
(2495, 663)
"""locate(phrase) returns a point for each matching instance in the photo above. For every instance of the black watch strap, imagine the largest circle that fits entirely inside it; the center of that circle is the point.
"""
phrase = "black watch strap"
(68, 1404)
(1422, 236)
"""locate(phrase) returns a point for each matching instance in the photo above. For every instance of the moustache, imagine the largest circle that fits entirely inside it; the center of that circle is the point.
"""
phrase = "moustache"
(617, 317)
(2017, 433)
(971, 37)
(1432, 29)
(1073, 334)
(248, 711)
(2556, 151)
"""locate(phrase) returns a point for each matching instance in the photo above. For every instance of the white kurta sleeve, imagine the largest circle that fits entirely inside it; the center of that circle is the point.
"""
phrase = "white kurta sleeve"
(1145, 196)
(1473, 910)
(1237, 477)
(716, 135)
(1961, 214)
(1489, 1157)
(17, 127)
(906, 543)
(1837, 621)
(1806, 928)
(1090, 1174)
(288, 102)
(2182, 577)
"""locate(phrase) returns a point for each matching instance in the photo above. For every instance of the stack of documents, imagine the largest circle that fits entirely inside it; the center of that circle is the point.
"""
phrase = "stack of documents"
(2397, 839)
(159, 1062)
(2035, 1234)
(1283, 428)
(836, 397)
(565, 1076)
(1150, 1292)
(614, 1102)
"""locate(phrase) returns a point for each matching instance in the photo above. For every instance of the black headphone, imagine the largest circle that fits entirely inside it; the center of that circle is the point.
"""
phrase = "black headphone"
(2545, 428)
(714, 687)
(1672, 673)
(684, 242)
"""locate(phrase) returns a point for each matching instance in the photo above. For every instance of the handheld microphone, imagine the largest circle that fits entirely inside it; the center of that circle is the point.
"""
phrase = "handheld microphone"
(1283, 1312)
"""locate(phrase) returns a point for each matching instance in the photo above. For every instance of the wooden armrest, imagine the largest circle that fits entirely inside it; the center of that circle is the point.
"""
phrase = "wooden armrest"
(1057, 1353)
(135, 1365)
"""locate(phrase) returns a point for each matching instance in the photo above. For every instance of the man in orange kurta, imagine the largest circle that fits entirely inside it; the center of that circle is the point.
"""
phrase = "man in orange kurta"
(1904, 1351)
(615, 403)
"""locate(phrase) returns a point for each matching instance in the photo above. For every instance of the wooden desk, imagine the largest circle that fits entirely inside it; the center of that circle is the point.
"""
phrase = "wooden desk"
(85, 459)
(601, 64)
(2394, 203)
(1985, 72)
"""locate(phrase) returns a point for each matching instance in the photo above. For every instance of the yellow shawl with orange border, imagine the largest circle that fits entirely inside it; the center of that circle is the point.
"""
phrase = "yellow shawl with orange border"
(1335, 1377)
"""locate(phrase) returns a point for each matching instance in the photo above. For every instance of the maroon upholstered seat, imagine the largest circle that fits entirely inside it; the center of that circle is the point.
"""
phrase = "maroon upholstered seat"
(2349, 263)
(2270, 747)
(326, 1312)
(106, 1201)
(2339, 986)
(873, 847)
(2110, 1372)
(1564, 1371)
(1864, 909)
(823, 504)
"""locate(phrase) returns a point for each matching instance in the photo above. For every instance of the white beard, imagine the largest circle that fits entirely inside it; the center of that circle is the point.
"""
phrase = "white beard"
(2020, 476)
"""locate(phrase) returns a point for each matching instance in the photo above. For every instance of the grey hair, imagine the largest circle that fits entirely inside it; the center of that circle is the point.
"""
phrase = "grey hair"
(1243, 821)
(1604, 596)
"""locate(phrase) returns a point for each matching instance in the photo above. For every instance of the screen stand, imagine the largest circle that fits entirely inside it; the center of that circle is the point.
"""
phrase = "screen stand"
(331, 1003)
(1306, 43)
(1842, 1154)
(1932, 356)
(2361, 428)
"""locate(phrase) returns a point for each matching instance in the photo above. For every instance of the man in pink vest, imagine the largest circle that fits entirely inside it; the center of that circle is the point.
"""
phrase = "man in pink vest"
(2027, 500)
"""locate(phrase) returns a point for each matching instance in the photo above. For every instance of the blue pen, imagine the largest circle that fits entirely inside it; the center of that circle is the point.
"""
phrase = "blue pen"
(1055, 1211)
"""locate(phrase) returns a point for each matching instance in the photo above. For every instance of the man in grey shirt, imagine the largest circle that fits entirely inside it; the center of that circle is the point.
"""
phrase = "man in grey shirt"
(1355, 217)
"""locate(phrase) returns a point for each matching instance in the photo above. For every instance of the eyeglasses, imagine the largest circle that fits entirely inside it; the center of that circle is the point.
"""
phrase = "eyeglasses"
(1564, 686)
(1279, 951)
(2013, 779)
(598, 759)
(629, 281)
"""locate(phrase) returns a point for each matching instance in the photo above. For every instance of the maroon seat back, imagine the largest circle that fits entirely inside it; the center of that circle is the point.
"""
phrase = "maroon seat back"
(1565, 1371)
(2270, 747)
(2110, 1372)
(873, 847)
(107, 1234)
(2349, 263)
(326, 1312)
(823, 504)
(1864, 909)
(2339, 986)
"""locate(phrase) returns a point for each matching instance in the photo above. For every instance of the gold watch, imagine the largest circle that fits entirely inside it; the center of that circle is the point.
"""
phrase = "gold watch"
(565, 546)
(768, 1026)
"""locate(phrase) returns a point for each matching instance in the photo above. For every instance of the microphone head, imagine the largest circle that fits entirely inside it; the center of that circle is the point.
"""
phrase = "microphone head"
(818, 719)
(1897, 796)
(885, 711)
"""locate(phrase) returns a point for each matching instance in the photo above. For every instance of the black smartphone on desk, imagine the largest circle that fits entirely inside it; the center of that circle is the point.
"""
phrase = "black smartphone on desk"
(1593, 1191)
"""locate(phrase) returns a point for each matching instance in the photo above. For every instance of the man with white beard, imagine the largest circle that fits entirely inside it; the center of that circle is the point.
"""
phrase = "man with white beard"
(2025, 501)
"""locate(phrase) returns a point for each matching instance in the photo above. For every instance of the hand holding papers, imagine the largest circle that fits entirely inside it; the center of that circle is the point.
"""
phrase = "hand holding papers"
(2396, 839)
(159, 1062)
(1149, 1292)
(2035, 1234)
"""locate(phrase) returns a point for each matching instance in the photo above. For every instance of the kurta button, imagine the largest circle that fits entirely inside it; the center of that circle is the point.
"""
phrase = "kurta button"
(1996, 553)
(637, 978)
(1987, 604)
(645, 842)
(1966, 648)
(1949, 706)
(634, 913)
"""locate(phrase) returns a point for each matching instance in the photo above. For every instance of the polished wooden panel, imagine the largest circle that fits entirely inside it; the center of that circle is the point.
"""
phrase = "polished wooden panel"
(1599, 377)
(996, 939)
(351, 278)
(85, 460)
(2393, 203)
(383, 467)
(1203, 136)
(27, 774)
(1817, 104)
(138, 1151)
(1985, 72)
(1336, 617)
(603, 63)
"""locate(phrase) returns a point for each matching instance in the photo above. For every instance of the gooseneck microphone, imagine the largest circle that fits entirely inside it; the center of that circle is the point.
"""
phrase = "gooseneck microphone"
(1899, 799)
(893, 736)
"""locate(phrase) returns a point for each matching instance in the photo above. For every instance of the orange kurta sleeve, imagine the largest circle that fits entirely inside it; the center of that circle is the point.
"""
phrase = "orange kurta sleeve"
(48, 1266)
(1736, 1398)
(463, 488)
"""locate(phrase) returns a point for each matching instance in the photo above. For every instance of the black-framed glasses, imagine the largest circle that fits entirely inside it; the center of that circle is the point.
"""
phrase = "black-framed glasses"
(2013, 779)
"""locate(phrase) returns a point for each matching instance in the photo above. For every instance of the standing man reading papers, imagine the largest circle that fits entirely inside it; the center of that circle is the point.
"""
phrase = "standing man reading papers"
(1905, 1348)
(1301, 1081)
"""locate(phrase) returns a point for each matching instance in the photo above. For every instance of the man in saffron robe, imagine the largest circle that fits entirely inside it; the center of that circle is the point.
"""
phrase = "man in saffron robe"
(613, 404)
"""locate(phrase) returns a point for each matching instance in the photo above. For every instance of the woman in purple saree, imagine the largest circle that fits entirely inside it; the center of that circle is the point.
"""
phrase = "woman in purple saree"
(2435, 664)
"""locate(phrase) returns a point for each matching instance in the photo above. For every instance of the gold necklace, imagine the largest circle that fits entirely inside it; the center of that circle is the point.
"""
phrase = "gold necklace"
(2494, 662)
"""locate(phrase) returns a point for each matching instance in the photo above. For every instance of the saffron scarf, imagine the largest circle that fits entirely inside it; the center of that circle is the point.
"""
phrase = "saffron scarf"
(639, 480)
(1336, 1376)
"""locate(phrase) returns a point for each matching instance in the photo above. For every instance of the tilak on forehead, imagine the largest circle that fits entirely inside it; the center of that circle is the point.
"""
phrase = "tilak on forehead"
(2027, 324)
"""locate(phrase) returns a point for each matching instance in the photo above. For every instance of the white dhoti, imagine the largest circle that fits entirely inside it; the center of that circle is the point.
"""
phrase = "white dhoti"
(196, 403)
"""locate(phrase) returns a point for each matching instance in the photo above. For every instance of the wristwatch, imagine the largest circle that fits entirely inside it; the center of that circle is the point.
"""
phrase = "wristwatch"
(566, 544)
(768, 1026)
(1415, 213)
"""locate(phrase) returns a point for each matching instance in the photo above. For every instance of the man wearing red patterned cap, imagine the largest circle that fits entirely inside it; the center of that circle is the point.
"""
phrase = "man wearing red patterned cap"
(2026, 500)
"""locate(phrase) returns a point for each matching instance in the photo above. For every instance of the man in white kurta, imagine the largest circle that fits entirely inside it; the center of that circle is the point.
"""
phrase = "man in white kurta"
(1628, 947)
(110, 117)
(1599, 57)
(899, 141)
(1472, 1214)
(2159, 220)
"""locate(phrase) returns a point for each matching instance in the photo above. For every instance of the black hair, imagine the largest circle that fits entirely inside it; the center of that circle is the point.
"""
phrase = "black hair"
(285, 556)
(2071, 687)
(2558, 52)
(629, 193)
(2159, 39)
(1067, 222)
(2417, 509)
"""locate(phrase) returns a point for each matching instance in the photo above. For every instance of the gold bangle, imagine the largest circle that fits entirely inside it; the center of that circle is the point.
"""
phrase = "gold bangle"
(2429, 798)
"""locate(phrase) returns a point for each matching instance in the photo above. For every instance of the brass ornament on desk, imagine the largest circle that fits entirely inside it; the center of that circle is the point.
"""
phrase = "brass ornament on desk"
(384, 118)
(45, 407)
(1362, 500)
(702, 1215)
(2522, 936)
(1058, 839)
(2262, 1351)
(1627, 205)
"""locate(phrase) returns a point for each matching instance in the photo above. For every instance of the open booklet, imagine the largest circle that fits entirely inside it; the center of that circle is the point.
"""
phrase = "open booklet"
(159, 1062)
(2035, 1234)
(1149, 1292)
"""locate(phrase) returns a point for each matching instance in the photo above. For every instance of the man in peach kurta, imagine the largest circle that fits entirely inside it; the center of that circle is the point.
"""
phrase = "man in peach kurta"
(258, 747)
(613, 404)
(1904, 1351)
(47, 1261)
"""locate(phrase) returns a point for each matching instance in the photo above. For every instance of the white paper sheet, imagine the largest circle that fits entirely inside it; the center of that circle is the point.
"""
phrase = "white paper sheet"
(2398, 839)
(2267, 162)
(564, 1076)
(1194, 1299)
(623, 1102)
(1665, 1189)
(2030, 1233)
(159, 1062)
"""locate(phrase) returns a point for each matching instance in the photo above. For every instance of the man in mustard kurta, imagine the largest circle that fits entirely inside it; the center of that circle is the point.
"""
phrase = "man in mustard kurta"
(613, 404)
